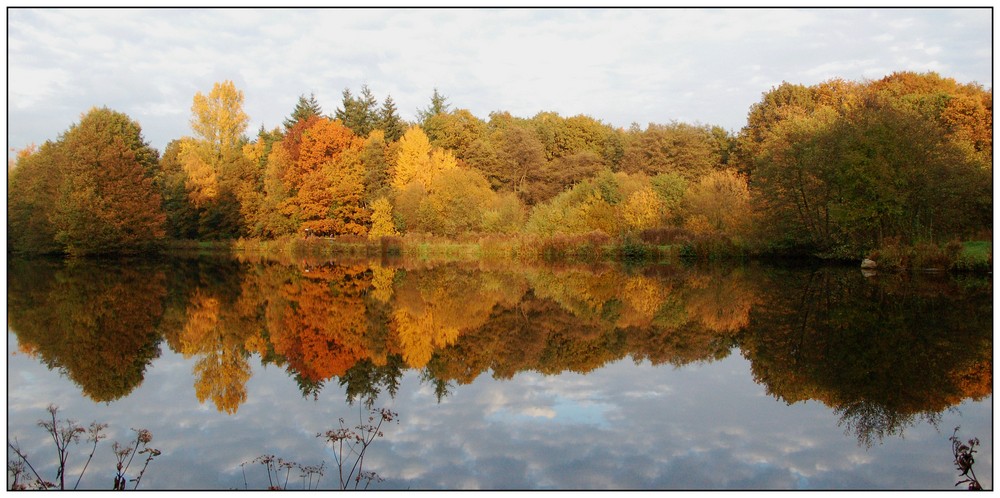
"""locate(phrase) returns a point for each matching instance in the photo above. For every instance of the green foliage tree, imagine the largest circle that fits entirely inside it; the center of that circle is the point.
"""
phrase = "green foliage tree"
(456, 130)
(590, 205)
(566, 136)
(839, 167)
(881, 353)
(389, 121)
(181, 214)
(376, 160)
(304, 109)
(439, 105)
(360, 114)
(455, 203)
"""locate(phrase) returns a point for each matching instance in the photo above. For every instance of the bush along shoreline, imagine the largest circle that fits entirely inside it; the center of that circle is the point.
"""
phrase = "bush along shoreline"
(953, 256)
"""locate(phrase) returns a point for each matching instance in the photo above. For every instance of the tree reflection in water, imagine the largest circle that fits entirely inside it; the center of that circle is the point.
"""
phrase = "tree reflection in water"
(96, 327)
(883, 353)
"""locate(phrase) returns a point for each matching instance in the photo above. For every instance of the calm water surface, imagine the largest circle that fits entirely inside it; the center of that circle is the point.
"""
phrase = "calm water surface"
(536, 377)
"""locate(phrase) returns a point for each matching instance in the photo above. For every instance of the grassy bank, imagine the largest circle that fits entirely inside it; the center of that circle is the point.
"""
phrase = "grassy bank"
(584, 248)
(968, 256)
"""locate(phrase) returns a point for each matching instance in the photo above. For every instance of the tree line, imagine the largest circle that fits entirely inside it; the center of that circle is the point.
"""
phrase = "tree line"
(835, 168)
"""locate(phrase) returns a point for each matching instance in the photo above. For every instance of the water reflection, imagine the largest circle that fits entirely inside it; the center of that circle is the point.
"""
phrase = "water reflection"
(97, 325)
(882, 353)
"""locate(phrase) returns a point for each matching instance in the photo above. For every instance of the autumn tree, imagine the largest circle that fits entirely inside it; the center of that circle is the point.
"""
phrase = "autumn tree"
(106, 202)
(643, 209)
(32, 190)
(328, 180)
(382, 224)
(92, 191)
(218, 120)
(316, 320)
(553, 177)
(688, 150)
(252, 192)
(722, 199)
(214, 160)
(274, 216)
(416, 161)
(520, 158)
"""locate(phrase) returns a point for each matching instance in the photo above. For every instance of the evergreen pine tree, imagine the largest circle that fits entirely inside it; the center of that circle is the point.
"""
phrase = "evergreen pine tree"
(389, 121)
(304, 109)
(360, 113)
(439, 105)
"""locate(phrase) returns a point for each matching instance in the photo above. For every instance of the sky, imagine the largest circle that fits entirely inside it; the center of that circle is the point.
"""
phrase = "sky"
(621, 66)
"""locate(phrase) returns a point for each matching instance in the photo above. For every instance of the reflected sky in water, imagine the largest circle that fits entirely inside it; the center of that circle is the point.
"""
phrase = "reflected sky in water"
(624, 426)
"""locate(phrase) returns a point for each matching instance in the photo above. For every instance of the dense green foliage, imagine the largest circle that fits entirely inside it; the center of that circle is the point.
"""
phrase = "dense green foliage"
(839, 169)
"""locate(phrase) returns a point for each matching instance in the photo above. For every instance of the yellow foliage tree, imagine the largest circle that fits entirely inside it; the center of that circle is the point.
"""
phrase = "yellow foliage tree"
(417, 162)
(722, 198)
(382, 225)
(456, 202)
(643, 209)
(202, 180)
(218, 117)
(412, 158)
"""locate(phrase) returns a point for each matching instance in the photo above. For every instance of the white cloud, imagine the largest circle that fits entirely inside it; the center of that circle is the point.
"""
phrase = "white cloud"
(617, 65)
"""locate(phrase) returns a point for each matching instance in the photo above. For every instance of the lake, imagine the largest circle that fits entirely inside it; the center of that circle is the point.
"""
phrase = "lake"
(500, 376)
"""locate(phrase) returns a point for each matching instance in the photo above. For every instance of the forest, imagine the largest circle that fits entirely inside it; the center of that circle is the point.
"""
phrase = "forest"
(840, 169)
